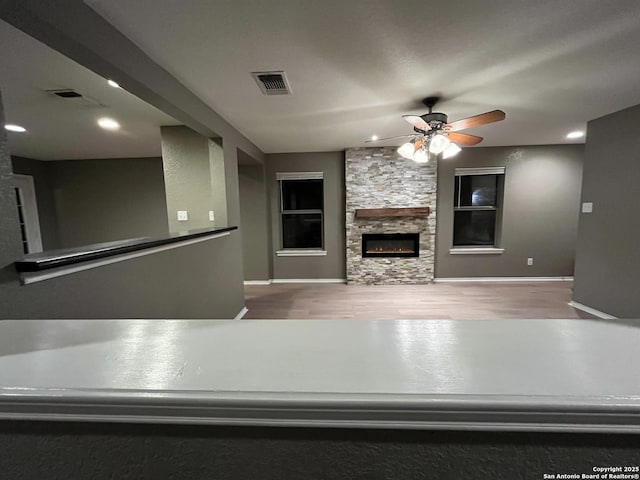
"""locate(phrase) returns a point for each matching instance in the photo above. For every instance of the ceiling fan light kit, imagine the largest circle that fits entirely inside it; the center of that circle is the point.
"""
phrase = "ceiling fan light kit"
(451, 151)
(432, 134)
(407, 150)
(421, 156)
(439, 143)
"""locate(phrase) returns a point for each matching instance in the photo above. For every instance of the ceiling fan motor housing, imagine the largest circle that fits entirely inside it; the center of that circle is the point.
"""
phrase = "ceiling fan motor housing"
(436, 122)
(434, 118)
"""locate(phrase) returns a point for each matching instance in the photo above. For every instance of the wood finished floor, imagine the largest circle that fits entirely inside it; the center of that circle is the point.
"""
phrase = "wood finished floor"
(395, 302)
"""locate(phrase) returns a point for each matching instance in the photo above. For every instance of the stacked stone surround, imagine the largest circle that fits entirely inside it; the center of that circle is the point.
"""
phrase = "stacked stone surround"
(380, 178)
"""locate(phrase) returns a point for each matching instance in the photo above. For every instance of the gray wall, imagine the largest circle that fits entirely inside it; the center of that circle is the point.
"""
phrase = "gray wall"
(234, 273)
(332, 164)
(540, 214)
(218, 184)
(254, 222)
(188, 177)
(81, 202)
(607, 275)
(66, 450)
(194, 281)
(110, 199)
(41, 174)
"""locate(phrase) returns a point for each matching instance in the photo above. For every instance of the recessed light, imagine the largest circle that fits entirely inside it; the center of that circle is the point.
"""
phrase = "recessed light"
(374, 137)
(108, 123)
(576, 134)
(14, 128)
(114, 84)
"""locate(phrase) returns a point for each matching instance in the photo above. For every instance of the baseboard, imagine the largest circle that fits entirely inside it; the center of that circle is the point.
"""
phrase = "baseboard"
(241, 314)
(503, 279)
(309, 280)
(436, 280)
(592, 311)
(295, 280)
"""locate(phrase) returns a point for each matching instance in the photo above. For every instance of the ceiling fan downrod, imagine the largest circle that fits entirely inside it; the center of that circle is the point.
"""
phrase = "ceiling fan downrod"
(435, 120)
(430, 102)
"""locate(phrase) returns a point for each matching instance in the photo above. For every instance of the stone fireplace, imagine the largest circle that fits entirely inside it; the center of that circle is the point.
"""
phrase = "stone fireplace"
(378, 179)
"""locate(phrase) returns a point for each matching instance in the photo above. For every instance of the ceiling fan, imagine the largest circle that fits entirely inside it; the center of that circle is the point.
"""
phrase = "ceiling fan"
(434, 135)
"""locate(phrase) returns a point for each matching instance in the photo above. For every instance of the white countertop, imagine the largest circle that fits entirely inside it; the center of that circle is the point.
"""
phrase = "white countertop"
(561, 375)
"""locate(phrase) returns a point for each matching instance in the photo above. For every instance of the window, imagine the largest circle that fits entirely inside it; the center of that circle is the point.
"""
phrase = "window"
(476, 212)
(301, 209)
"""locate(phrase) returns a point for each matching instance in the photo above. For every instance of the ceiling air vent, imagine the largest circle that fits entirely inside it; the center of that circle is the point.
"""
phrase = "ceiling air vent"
(66, 93)
(272, 83)
(75, 97)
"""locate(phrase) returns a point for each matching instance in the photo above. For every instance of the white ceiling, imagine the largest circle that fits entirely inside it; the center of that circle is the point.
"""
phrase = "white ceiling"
(61, 129)
(356, 66)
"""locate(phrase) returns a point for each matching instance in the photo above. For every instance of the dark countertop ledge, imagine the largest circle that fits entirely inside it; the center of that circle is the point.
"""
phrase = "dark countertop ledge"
(36, 262)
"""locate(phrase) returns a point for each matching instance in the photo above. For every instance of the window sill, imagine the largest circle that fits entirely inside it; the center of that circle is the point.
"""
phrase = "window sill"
(476, 251)
(301, 253)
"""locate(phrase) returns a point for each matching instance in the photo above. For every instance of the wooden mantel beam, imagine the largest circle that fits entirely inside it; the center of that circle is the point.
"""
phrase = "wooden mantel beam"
(392, 212)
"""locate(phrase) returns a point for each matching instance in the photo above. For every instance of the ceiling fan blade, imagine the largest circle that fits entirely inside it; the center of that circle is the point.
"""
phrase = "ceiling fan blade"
(477, 120)
(417, 122)
(390, 138)
(464, 138)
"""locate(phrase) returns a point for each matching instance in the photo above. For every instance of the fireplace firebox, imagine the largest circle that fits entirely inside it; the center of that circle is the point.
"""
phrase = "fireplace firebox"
(390, 244)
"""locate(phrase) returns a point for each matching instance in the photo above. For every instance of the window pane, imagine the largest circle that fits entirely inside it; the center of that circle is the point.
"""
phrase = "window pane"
(477, 190)
(302, 230)
(474, 227)
(302, 194)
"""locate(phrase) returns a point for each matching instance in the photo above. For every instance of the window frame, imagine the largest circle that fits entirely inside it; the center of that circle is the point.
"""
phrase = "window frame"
(497, 208)
(290, 176)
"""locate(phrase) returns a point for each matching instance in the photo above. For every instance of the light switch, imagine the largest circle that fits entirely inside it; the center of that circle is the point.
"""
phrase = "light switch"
(587, 207)
(183, 216)
(211, 216)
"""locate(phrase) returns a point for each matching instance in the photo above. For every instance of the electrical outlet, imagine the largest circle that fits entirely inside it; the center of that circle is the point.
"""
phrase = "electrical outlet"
(183, 215)
(587, 207)
(211, 216)
(529, 261)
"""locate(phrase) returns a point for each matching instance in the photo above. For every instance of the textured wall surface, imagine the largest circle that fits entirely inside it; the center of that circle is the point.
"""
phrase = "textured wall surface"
(194, 281)
(607, 275)
(380, 178)
(111, 199)
(62, 451)
(234, 273)
(332, 165)
(187, 177)
(218, 185)
(254, 222)
(539, 211)
(81, 202)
